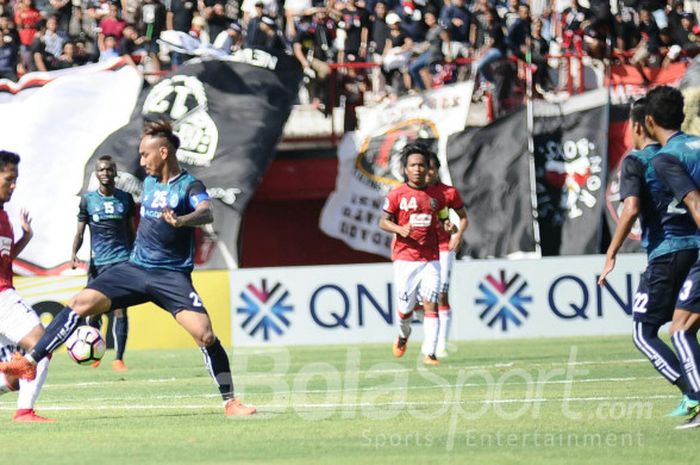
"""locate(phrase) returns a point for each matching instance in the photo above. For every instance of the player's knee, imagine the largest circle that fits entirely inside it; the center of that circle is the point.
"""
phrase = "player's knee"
(207, 338)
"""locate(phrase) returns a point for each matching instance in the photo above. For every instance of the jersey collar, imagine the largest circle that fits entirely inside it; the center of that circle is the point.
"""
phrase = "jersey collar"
(172, 180)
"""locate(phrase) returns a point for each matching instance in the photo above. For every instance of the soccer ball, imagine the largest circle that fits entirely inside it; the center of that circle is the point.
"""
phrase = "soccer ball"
(86, 345)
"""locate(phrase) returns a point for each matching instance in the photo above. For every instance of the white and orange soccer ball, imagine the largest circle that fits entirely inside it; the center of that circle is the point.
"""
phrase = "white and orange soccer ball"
(86, 345)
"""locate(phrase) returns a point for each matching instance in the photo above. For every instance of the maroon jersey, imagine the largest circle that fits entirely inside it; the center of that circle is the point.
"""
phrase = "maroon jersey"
(419, 209)
(7, 240)
(454, 201)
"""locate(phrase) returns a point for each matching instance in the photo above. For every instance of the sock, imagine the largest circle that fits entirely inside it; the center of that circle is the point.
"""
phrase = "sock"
(431, 327)
(94, 320)
(216, 360)
(55, 334)
(405, 324)
(29, 390)
(445, 317)
(646, 339)
(419, 314)
(120, 331)
(686, 344)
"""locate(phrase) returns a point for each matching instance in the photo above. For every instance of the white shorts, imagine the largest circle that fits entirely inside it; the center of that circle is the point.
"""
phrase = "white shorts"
(17, 318)
(447, 261)
(413, 279)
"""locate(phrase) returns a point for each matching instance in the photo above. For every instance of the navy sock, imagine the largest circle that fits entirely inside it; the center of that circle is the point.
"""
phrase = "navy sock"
(686, 343)
(95, 321)
(646, 338)
(120, 331)
(216, 359)
(55, 333)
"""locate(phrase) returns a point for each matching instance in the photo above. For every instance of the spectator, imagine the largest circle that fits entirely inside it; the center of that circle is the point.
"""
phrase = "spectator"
(267, 35)
(67, 57)
(539, 48)
(574, 20)
(131, 43)
(179, 14)
(647, 50)
(27, 19)
(626, 31)
(456, 19)
(493, 50)
(431, 53)
(62, 10)
(150, 21)
(108, 48)
(230, 40)
(479, 26)
(217, 20)
(509, 13)
(257, 8)
(112, 24)
(9, 48)
(397, 54)
(294, 10)
(36, 58)
(519, 32)
(54, 39)
(308, 49)
(354, 21)
(686, 37)
(200, 30)
(379, 30)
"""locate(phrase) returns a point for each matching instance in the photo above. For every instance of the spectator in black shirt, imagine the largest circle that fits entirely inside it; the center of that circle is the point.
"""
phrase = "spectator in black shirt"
(379, 30)
(308, 47)
(432, 46)
(519, 32)
(8, 56)
(354, 20)
(494, 47)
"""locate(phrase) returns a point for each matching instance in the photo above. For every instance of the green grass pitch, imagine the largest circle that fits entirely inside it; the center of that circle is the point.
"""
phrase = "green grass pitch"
(543, 401)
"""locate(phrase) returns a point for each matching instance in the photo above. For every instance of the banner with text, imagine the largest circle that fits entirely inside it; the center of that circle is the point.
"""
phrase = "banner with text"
(369, 164)
(492, 299)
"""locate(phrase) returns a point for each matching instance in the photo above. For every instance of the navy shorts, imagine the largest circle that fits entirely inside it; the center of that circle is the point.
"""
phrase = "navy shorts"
(660, 285)
(95, 270)
(689, 295)
(127, 285)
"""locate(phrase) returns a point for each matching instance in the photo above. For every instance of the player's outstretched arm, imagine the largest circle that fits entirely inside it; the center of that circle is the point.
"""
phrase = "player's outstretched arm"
(386, 223)
(203, 214)
(630, 211)
(26, 224)
(456, 238)
(77, 243)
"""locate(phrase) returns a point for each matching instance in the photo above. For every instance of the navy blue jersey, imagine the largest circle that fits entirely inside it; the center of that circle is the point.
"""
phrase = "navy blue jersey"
(108, 218)
(158, 244)
(677, 167)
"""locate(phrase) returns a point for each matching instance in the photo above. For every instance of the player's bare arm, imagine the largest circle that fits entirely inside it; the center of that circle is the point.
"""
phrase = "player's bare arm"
(630, 211)
(202, 214)
(77, 243)
(386, 223)
(692, 201)
(25, 222)
(456, 238)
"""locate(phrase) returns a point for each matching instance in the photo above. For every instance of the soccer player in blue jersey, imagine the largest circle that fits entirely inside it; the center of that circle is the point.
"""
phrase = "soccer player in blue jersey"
(160, 266)
(109, 212)
(671, 246)
(678, 166)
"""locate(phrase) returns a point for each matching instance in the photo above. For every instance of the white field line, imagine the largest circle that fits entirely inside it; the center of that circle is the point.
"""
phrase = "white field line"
(346, 405)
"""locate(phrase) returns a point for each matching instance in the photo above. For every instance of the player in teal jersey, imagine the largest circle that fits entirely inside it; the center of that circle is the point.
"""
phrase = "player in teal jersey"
(109, 213)
(159, 269)
(678, 166)
(669, 260)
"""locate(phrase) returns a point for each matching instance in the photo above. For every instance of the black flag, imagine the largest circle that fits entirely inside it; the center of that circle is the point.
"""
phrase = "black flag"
(489, 167)
(229, 114)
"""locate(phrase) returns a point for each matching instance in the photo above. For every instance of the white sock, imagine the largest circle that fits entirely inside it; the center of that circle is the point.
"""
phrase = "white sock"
(405, 324)
(29, 390)
(431, 326)
(445, 316)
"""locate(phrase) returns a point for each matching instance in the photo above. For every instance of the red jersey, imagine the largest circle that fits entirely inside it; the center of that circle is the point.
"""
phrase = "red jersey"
(7, 241)
(419, 208)
(454, 201)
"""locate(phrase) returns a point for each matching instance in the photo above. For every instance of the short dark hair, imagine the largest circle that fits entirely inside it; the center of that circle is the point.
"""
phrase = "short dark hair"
(106, 158)
(413, 148)
(8, 158)
(162, 128)
(665, 105)
(638, 112)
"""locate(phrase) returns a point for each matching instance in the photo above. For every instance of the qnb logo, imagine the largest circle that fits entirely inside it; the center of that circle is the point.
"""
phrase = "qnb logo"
(503, 300)
(265, 310)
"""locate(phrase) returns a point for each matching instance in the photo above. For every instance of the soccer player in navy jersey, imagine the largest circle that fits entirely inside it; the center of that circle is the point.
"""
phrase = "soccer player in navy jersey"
(159, 268)
(672, 247)
(109, 213)
(678, 166)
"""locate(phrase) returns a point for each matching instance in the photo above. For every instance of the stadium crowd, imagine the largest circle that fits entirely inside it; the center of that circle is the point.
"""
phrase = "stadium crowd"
(416, 43)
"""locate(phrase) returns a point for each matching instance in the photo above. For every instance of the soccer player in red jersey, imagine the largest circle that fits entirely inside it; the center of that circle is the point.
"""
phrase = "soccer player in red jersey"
(20, 327)
(448, 244)
(413, 211)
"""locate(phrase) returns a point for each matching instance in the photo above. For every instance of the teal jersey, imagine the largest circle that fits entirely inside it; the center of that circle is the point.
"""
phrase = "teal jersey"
(158, 244)
(108, 218)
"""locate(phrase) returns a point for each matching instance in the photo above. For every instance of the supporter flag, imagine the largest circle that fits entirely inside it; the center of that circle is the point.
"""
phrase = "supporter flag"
(229, 114)
(489, 166)
(571, 158)
(369, 160)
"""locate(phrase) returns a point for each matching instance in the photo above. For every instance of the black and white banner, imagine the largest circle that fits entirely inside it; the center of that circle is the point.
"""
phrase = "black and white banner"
(369, 164)
(229, 114)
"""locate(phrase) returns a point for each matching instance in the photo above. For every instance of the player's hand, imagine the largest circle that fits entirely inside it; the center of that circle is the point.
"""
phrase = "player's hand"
(607, 269)
(25, 222)
(449, 227)
(404, 230)
(75, 262)
(171, 218)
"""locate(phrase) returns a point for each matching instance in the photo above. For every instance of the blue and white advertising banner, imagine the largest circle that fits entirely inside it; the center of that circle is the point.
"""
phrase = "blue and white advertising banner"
(491, 299)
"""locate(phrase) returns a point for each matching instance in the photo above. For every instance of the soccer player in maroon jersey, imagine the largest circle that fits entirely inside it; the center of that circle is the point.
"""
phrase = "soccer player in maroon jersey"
(20, 327)
(448, 244)
(413, 211)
